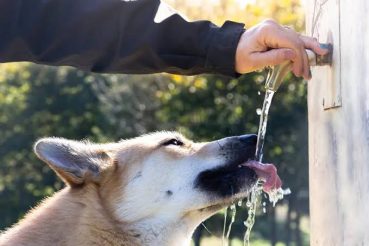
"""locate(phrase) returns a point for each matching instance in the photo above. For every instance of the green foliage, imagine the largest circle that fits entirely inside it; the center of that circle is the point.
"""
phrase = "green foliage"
(37, 102)
(40, 101)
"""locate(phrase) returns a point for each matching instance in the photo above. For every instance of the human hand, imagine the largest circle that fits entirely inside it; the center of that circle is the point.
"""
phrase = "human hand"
(269, 44)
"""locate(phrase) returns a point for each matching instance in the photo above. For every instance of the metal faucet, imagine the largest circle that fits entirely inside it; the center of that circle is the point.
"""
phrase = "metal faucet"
(278, 72)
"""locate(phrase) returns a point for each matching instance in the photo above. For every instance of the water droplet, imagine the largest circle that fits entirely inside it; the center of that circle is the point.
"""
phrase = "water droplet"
(233, 216)
(258, 111)
(286, 191)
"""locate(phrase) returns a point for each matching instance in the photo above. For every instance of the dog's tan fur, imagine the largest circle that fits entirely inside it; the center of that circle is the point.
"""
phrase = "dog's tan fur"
(70, 218)
(102, 208)
(74, 216)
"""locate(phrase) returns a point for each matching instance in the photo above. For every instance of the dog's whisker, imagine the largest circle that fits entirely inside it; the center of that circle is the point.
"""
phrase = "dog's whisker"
(207, 229)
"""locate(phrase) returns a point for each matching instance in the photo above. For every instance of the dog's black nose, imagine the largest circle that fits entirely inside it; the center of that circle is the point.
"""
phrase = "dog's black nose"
(248, 139)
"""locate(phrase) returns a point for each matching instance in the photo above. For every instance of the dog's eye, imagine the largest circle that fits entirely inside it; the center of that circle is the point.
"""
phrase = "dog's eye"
(173, 142)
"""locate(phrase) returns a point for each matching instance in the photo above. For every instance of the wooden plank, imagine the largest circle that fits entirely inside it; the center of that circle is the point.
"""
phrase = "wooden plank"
(339, 137)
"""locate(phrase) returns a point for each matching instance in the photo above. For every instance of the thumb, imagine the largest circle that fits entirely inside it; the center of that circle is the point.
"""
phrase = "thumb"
(272, 57)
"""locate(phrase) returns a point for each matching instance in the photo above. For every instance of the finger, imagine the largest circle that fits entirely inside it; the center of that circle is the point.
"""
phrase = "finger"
(299, 62)
(314, 45)
(286, 38)
(272, 57)
(301, 67)
(298, 65)
(294, 42)
(306, 66)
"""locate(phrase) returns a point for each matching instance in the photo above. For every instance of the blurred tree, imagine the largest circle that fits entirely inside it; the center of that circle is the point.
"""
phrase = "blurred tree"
(36, 102)
(250, 12)
(129, 103)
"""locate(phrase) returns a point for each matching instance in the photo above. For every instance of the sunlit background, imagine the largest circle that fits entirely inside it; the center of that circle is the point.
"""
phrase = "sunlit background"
(37, 101)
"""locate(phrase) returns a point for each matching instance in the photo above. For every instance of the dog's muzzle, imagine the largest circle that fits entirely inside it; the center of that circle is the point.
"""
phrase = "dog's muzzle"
(231, 177)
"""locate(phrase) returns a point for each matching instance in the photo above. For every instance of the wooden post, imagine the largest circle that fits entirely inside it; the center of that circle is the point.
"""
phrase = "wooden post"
(338, 101)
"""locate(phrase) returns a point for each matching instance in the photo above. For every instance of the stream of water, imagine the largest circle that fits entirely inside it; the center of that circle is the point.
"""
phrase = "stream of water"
(255, 195)
(256, 191)
(263, 124)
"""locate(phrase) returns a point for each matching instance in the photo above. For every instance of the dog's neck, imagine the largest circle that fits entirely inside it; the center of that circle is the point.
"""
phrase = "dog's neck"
(72, 218)
(164, 231)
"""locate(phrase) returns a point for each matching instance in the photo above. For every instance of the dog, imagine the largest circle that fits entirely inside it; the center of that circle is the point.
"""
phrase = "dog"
(151, 190)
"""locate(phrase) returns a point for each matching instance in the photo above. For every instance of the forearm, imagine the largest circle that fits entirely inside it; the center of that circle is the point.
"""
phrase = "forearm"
(113, 36)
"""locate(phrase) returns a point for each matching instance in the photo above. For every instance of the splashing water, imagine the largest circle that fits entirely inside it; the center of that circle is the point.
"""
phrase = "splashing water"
(251, 204)
(225, 238)
(224, 227)
(233, 217)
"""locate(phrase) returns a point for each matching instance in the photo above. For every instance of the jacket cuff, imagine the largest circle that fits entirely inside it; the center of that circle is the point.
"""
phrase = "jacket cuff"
(221, 54)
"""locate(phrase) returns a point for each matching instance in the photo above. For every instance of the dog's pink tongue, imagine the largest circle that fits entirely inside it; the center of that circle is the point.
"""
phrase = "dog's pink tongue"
(266, 172)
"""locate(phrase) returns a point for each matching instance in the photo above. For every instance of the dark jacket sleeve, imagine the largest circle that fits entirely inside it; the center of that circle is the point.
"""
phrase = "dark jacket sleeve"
(114, 36)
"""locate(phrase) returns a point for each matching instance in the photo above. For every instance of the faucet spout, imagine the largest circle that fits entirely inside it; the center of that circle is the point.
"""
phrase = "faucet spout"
(278, 72)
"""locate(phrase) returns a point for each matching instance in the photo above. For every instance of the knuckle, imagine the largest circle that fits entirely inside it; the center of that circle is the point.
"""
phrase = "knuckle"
(300, 44)
(267, 25)
(308, 40)
(270, 22)
(264, 29)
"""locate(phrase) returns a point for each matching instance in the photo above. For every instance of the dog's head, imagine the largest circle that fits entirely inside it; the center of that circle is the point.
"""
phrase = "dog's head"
(160, 174)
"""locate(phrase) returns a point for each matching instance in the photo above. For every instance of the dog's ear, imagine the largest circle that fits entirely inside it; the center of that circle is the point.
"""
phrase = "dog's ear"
(75, 162)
